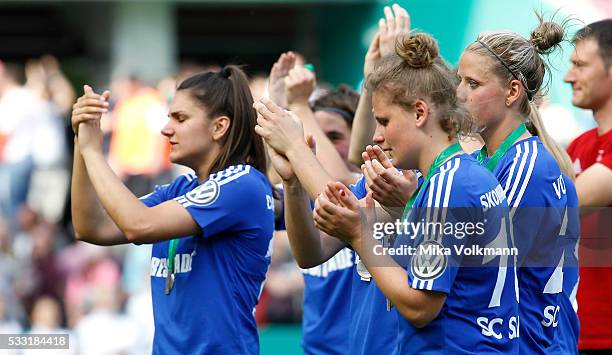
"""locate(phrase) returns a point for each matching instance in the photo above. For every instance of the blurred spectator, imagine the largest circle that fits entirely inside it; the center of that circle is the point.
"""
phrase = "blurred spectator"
(140, 158)
(104, 331)
(20, 117)
(46, 318)
(8, 325)
(11, 311)
(50, 178)
(90, 268)
(591, 79)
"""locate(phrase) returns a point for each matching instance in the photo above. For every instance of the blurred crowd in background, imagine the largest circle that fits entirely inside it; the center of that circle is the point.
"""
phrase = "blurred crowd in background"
(48, 282)
(51, 284)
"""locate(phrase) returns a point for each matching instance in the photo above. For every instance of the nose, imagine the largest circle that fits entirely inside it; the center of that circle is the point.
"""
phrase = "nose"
(569, 77)
(379, 137)
(461, 96)
(168, 131)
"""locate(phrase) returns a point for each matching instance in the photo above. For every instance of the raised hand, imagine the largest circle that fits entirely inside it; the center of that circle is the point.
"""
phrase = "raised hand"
(281, 129)
(395, 24)
(89, 107)
(372, 56)
(276, 84)
(390, 187)
(300, 83)
(86, 115)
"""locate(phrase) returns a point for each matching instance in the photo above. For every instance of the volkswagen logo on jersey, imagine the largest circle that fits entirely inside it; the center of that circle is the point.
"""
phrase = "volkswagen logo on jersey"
(429, 261)
(204, 194)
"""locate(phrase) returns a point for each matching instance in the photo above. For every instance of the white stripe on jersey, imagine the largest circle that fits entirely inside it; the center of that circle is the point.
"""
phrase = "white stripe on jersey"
(435, 188)
(231, 173)
(573, 296)
(440, 186)
(429, 284)
(555, 282)
(512, 168)
(518, 175)
(455, 166)
(531, 155)
(534, 155)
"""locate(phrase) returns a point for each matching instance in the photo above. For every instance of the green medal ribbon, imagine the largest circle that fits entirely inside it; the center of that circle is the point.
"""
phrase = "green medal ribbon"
(440, 159)
(503, 148)
(171, 256)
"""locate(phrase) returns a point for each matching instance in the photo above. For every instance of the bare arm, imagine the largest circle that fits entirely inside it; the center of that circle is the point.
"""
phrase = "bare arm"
(363, 128)
(327, 155)
(593, 186)
(138, 222)
(91, 222)
(396, 23)
(309, 246)
(300, 84)
(283, 132)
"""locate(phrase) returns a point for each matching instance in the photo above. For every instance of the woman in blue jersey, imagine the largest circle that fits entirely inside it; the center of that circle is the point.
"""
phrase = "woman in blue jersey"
(456, 303)
(211, 231)
(502, 79)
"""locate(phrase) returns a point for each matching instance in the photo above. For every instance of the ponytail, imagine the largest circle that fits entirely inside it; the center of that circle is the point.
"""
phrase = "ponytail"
(537, 128)
(227, 93)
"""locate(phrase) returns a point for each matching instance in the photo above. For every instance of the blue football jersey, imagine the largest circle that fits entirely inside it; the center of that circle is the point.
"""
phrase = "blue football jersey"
(373, 325)
(220, 271)
(532, 182)
(568, 328)
(327, 292)
(325, 310)
(463, 249)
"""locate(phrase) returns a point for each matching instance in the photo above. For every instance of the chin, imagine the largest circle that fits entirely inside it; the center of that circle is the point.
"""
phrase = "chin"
(580, 104)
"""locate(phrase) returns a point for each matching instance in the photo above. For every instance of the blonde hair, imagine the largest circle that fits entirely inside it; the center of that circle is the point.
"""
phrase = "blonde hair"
(515, 57)
(416, 71)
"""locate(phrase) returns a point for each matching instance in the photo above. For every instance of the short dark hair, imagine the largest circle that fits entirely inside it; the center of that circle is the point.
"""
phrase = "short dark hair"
(226, 92)
(601, 32)
(342, 100)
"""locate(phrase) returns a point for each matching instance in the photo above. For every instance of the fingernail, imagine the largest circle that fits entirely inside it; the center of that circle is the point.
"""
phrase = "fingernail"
(342, 193)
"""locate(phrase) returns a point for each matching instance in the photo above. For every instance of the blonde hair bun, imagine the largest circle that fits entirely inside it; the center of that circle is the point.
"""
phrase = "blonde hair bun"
(418, 50)
(546, 36)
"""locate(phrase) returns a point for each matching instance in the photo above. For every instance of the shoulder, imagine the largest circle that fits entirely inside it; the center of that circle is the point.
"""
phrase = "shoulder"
(581, 139)
(459, 182)
(239, 177)
(529, 167)
(241, 181)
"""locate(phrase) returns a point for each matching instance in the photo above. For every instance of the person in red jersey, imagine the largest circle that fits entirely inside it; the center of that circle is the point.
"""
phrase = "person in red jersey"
(591, 79)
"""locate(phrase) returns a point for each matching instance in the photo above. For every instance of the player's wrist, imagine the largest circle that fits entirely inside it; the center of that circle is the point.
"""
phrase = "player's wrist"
(91, 152)
(298, 103)
(297, 150)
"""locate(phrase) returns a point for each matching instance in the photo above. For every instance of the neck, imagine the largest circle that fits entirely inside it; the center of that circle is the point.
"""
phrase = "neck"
(494, 136)
(203, 170)
(430, 152)
(603, 117)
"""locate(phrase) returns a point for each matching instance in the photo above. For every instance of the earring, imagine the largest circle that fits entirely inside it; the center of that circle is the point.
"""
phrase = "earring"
(508, 103)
